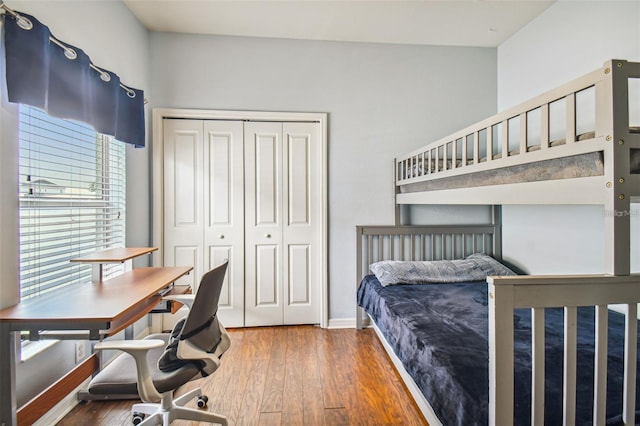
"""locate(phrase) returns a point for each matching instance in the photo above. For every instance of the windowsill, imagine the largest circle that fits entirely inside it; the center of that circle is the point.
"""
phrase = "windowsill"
(31, 349)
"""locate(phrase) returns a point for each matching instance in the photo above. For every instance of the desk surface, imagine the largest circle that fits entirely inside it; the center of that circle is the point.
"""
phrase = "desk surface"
(107, 306)
(114, 255)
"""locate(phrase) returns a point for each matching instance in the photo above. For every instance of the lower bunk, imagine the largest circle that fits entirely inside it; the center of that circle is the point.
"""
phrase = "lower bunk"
(508, 350)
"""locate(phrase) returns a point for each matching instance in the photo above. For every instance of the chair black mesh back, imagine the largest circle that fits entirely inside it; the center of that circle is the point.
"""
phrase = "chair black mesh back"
(201, 328)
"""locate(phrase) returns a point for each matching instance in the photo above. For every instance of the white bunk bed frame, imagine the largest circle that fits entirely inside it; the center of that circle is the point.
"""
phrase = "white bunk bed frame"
(615, 189)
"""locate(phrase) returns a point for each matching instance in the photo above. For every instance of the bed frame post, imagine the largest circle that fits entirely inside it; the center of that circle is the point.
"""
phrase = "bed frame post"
(396, 191)
(501, 385)
(496, 221)
(359, 275)
(613, 122)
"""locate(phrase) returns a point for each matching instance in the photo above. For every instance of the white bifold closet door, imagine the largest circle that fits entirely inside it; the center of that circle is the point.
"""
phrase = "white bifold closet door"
(282, 230)
(249, 192)
(203, 205)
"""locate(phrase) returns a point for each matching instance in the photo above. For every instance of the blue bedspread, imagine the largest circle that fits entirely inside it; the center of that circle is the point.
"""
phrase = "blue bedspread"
(440, 333)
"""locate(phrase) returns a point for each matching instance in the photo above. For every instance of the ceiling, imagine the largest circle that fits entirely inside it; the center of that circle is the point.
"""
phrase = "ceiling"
(483, 23)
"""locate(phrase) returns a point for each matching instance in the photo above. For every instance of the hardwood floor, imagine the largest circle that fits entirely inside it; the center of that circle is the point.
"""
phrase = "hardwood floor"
(293, 375)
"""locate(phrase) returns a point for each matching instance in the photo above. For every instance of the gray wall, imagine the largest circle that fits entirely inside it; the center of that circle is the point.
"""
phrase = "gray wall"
(567, 40)
(115, 40)
(382, 100)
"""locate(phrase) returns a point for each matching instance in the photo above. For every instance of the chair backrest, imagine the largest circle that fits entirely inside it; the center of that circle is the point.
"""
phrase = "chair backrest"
(201, 328)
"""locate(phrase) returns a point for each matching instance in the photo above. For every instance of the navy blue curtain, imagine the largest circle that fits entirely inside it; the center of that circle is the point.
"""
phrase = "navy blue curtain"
(61, 80)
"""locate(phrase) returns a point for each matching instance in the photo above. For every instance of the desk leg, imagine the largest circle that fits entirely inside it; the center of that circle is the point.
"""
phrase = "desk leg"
(8, 346)
(96, 273)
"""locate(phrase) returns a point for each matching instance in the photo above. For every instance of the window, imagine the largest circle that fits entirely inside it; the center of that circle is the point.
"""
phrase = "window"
(72, 200)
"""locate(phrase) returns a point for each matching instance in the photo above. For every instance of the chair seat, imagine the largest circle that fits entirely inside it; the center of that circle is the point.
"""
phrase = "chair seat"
(119, 377)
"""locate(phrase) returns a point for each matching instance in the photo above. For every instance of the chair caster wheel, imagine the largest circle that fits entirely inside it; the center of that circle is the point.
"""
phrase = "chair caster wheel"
(137, 418)
(202, 401)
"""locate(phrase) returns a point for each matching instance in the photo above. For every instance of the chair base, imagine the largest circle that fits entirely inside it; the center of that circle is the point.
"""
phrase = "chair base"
(169, 410)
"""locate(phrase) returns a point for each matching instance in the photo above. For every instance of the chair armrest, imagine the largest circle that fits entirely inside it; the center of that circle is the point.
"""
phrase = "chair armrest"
(138, 349)
(185, 299)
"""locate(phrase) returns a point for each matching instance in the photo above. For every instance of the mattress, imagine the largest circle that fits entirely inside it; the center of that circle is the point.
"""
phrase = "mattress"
(582, 165)
(440, 334)
(575, 166)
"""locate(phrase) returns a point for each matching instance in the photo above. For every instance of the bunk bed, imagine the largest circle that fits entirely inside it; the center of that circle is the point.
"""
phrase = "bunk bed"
(577, 144)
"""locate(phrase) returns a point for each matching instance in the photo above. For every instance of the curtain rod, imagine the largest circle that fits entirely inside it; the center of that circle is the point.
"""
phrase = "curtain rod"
(71, 54)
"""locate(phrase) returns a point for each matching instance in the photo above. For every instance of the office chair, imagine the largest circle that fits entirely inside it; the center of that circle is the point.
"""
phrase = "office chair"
(163, 362)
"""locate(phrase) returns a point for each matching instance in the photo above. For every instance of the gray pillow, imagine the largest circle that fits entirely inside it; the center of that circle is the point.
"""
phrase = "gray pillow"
(476, 267)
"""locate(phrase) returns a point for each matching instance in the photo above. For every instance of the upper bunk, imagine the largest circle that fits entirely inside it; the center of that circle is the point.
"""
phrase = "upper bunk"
(576, 144)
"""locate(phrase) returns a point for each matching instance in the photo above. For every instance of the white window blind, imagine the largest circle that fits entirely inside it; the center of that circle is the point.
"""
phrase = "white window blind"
(72, 200)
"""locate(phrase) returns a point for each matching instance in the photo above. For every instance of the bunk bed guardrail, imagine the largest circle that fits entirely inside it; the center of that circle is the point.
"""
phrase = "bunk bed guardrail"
(569, 292)
(598, 113)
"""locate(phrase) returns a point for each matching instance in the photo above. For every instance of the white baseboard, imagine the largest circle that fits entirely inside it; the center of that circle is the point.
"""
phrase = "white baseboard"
(342, 323)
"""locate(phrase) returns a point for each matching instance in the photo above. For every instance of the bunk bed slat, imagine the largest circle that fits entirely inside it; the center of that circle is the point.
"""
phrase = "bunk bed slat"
(600, 365)
(489, 144)
(544, 135)
(411, 247)
(392, 247)
(454, 154)
(570, 363)
(537, 366)
(476, 148)
(570, 126)
(630, 353)
(523, 133)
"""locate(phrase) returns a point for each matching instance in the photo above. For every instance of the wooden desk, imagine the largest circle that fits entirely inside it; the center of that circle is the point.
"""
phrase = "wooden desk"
(100, 309)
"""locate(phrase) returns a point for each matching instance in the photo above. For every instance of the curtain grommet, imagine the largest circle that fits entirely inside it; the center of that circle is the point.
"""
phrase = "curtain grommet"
(24, 23)
(70, 53)
(130, 93)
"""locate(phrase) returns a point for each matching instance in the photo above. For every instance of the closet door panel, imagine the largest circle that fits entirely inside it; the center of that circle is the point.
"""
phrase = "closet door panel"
(266, 196)
(266, 270)
(185, 183)
(220, 179)
(299, 291)
(224, 212)
(302, 194)
(183, 197)
(263, 218)
(263, 301)
(298, 179)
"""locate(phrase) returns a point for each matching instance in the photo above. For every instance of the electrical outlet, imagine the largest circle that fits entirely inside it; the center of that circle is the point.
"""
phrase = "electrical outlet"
(80, 351)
